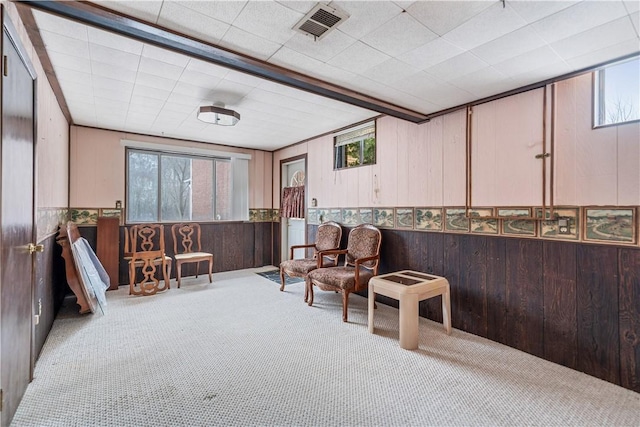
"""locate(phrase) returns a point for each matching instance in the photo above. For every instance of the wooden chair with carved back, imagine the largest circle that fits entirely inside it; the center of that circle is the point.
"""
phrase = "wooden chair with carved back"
(187, 248)
(145, 250)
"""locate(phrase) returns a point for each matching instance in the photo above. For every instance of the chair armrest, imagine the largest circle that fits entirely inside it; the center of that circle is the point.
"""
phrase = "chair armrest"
(322, 254)
(311, 245)
(357, 267)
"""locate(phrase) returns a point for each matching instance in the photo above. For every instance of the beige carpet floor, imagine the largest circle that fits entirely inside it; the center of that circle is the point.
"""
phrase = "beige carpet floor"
(239, 352)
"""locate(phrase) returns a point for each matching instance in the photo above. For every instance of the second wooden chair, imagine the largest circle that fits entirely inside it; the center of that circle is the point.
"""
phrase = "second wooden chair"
(187, 248)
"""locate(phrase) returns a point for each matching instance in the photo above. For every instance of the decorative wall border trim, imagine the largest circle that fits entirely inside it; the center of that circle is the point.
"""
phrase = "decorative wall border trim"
(616, 225)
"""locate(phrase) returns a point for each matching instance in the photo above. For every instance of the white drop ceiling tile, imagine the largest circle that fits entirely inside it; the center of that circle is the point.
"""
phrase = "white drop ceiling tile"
(193, 91)
(419, 84)
(417, 104)
(402, 34)
(390, 71)
(358, 58)
(509, 45)
(258, 17)
(432, 53)
(114, 41)
(447, 95)
(537, 58)
(578, 18)
(596, 38)
(145, 10)
(632, 6)
(61, 26)
(532, 11)
(136, 119)
(191, 23)
(492, 23)
(225, 11)
(231, 92)
(635, 20)
(443, 16)
(603, 55)
(72, 76)
(144, 101)
(240, 40)
(154, 81)
(61, 60)
(71, 97)
(113, 106)
(74, 89)
(457, 66)
(160, 69)
(243, 79)
(483, 82)
(164, 55)
(111, 56)
(365, 16)
(113, 71)
(136, 108)
(107, 93)
(539, 74)
(199, 79)
(63, 44)
(322, 50)
(113, 84)
(295, 61)
(300, 5)
(206, 68)
(150, 92)
(179, 102)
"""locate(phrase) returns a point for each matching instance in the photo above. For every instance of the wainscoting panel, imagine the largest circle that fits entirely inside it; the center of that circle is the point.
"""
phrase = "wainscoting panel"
(575, 304)
(560, 333)
(598, 312)
(629, 267)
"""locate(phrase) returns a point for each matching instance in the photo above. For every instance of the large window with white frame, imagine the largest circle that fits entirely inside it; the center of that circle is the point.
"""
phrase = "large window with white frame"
(355, 146)
(167, 187)
(617, 93)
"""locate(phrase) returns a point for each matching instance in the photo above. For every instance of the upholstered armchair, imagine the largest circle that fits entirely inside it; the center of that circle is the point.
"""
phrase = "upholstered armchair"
(362, 258)
(328, 237)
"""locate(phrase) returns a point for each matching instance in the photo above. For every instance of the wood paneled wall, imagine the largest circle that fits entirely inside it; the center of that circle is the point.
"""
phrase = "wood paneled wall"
(574, 304)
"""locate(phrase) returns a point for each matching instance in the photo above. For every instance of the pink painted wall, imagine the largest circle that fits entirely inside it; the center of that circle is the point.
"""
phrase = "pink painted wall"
(424, 165)
(52, 146)
(97, 173)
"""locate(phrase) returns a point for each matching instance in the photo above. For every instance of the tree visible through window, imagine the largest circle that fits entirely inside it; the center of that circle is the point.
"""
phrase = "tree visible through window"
(355, 147)
(168, 187)
(617, 93)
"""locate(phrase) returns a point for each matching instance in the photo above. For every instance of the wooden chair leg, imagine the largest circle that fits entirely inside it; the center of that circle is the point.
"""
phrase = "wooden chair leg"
(310, 293)
(306, 289)
(210, 270)
(345, 305)
(282, 280)
(178, 272)
(197, 268)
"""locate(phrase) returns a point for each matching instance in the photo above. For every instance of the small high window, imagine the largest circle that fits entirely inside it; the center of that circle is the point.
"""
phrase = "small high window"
(617, 93)
(355, 147)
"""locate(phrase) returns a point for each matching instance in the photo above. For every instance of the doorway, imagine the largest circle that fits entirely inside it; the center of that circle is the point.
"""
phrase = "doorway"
(16, 222)
(293, 174)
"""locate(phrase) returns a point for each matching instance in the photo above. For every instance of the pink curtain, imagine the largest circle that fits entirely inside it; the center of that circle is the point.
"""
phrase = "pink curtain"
(292, 202)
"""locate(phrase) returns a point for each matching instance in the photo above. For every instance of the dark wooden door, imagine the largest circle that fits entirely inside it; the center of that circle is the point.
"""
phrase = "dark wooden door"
(16, 227)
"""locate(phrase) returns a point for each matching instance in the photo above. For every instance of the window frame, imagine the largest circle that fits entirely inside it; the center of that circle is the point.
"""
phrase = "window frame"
(597, 88)
(159, 154)
(355, 128)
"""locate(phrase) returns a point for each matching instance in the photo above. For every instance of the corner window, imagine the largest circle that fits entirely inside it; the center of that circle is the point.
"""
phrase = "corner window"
(617, 93)
(355, 147)
(163, 187)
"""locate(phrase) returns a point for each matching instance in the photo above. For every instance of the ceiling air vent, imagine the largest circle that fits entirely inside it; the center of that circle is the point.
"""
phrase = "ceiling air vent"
(320, 21)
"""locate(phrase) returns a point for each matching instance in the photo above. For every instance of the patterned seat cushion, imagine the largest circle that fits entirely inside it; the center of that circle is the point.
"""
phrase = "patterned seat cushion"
(339, 277)
(299, 266)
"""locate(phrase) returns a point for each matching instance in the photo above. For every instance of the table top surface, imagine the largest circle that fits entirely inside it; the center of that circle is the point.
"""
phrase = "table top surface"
(409, 279)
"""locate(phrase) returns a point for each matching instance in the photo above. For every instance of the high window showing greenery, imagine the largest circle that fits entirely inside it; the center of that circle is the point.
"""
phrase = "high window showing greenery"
(617, 93)
(176, 187)
(355, 147)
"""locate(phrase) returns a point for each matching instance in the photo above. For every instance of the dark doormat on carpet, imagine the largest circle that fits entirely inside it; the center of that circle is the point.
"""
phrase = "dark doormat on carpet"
(274, 275)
